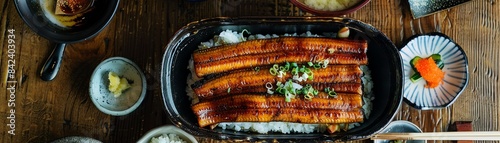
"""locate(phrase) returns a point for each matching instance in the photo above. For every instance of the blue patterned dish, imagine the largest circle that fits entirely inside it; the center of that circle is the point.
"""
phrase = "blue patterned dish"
(455, 69)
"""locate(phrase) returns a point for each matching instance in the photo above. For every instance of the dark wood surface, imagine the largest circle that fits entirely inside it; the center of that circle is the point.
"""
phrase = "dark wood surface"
(140, 30)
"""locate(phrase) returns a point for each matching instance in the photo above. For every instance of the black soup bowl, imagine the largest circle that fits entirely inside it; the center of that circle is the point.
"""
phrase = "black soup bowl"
(383, 57)
(40, 16)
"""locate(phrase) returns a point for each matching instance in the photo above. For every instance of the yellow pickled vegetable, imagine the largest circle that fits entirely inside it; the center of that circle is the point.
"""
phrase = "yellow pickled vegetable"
(116, 84)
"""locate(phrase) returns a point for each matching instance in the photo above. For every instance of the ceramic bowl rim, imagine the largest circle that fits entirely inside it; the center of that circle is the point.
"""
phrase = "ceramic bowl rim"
(171, 129)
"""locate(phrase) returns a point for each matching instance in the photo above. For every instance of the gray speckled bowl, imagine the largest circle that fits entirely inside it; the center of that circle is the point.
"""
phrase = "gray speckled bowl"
(401, 127)
(130, 98)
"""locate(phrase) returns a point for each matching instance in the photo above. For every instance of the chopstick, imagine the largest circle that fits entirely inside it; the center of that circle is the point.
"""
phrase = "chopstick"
(486, 135)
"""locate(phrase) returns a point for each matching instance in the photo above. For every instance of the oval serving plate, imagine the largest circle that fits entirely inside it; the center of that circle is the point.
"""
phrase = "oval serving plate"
(455, 69)
(383, 57)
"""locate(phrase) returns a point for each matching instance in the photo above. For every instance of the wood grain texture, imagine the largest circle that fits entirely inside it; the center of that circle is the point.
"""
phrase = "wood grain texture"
(46, 111)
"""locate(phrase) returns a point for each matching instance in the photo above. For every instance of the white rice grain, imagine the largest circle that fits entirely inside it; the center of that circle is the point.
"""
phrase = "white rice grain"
(167, 138)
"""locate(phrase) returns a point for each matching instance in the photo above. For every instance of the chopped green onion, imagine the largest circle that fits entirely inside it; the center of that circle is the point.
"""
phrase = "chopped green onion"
(311, 76)
(294, 65)
(295, 71)
(257, 69)
(276, 66)
(269, 91)
(331, 50)
(288, 97)
(245, 31)
(310, 64)
(315, 92)
(298, 91)
(302, 69)
(317, 66)
(280, 90)
(269, 85)
(281, 74)
(308, 86)
(282, 68)
(273, 71)
(327, 89)
(307, 70)
(278, 83)
(325, 63)
(228, 89)
(308, 96)
(287, 66)
(332, 94)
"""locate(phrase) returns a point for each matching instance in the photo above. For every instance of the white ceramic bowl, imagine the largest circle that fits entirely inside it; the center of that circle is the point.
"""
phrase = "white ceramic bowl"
(130, 98)
(167, 129)
(455, 69)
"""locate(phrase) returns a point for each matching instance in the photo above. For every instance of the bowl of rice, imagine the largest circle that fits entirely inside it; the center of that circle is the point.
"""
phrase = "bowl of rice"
(382, 82)
(330, 7)
(167, 134)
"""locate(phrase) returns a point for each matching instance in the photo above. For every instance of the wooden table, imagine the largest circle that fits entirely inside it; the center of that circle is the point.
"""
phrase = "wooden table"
(46, 111)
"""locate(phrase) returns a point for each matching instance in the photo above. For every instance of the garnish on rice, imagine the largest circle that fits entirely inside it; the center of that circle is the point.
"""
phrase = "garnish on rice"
(429, 69)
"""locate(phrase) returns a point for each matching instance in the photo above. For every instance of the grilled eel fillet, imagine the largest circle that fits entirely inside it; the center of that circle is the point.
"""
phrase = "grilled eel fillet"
(248, 61)
(313, 116)
(343, 78)
(260, 46)
(352, 88)
(342, 101)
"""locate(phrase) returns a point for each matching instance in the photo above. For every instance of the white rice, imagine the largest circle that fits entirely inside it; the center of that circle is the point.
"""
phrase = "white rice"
(167, 138)
(280, 127)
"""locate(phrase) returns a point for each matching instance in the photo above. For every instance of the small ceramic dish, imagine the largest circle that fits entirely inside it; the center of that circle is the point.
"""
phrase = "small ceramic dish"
(130, 99)
(167, 129)
(455, 69)
(355, 7)
(401, 126)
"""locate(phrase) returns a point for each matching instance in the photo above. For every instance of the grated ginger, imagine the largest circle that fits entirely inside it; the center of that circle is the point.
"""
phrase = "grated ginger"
(116, 84)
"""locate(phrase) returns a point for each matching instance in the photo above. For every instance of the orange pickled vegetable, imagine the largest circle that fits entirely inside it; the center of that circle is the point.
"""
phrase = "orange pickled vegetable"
(430, 72)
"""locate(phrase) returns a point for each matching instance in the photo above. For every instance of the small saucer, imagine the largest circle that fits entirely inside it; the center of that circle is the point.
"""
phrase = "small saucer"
(130, 99)
(455, 68)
